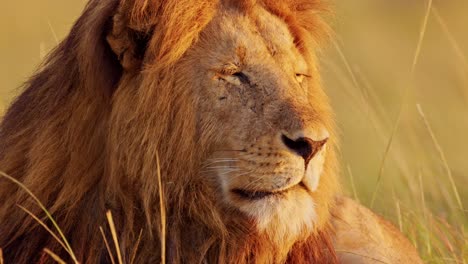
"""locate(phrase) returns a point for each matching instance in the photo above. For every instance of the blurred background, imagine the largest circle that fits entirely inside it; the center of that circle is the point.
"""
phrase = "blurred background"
(397, 75)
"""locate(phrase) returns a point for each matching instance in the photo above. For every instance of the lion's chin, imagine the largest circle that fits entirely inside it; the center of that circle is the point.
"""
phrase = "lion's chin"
(283, 215)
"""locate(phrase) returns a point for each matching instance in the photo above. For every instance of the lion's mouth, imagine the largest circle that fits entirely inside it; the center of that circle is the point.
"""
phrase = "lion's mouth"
(257, 195)
(252, 195)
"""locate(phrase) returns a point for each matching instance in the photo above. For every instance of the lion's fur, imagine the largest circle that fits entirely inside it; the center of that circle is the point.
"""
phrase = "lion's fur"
(84, 137)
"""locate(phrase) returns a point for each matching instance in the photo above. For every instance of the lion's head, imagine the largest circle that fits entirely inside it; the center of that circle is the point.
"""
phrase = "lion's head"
(265, 118)
(222, 99)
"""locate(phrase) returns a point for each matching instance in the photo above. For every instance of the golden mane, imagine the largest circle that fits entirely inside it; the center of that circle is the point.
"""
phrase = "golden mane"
(84, 138)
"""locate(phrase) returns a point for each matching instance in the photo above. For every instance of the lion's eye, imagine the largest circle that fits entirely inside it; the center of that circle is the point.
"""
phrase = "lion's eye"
(235, 78)
(242, 77)
(300, 77)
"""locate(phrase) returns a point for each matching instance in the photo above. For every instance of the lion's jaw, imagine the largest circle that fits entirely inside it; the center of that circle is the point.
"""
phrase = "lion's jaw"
(260, 92)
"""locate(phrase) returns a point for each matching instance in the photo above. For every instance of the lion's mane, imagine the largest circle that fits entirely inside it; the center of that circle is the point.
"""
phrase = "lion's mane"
(87, 133)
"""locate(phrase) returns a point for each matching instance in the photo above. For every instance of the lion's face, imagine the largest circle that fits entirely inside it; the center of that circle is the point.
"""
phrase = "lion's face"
(260, 105)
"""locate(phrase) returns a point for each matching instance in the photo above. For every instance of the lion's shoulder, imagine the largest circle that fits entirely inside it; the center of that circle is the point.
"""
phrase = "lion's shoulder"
(362, 236)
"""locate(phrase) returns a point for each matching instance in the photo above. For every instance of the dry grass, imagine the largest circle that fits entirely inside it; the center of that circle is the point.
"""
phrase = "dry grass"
(398, 79)
(417, 53)
(397, 75)
(114, 237)
(162, 209)
(54, 256)
(60, 238)
(109, 251)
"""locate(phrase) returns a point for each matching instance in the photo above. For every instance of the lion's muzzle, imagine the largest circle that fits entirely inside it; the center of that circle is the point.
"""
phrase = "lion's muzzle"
(305, 147)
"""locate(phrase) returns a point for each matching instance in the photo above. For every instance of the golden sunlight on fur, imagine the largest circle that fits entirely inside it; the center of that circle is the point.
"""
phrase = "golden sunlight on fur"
(227, 94)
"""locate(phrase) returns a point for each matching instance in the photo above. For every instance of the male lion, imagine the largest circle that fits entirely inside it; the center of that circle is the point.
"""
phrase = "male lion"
(222, 101)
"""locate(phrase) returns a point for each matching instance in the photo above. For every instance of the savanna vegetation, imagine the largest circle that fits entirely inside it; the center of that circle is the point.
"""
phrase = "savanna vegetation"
(397, 74)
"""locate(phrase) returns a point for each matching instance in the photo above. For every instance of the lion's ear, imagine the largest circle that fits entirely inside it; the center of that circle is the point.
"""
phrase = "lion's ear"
(129, 44)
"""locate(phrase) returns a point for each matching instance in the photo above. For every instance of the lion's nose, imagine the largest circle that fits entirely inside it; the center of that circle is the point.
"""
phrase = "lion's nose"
(304, 147)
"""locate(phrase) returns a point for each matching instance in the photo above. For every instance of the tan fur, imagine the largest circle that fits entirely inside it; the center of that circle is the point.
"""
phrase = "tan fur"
(364, 237)
(209, 89)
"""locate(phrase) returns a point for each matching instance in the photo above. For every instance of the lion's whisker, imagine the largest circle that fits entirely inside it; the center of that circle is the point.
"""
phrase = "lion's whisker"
(223, 160)
(234, 150)
(252, 183)
(221, 167)
(242, 174)
(219, 161)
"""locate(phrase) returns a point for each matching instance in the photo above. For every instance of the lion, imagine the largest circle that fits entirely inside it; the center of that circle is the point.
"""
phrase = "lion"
(221, 102)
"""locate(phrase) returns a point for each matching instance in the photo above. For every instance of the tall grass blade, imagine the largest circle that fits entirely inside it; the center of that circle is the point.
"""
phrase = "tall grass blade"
(350, 72)
(400, 218)
(163, 214)
(114, 236)
(52, 30)
(109, 251)
(54, 256)
(417, 53)
(353, 186)
(442, 157)
(453, 42)
(44, 209)
(374, 260)
(44, 226)
(422, 33)
(135, 250)
(425, 235)
(384, 158)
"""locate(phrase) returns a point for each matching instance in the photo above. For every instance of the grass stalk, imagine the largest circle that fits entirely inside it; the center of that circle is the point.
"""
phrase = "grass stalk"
(398, 212)
(135, 250)
(114, 236)
(453, 42)
(422, 33)
(417, 53)
(425, 212)
(44, 209)
(442, 157)
(54, 256)
(52, 30)
(374, 260)
(386, 153)
(163, 213)
(109, 251)
(45, 227)
(353, 186)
